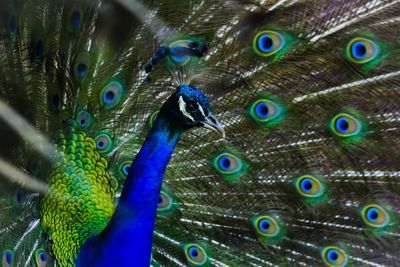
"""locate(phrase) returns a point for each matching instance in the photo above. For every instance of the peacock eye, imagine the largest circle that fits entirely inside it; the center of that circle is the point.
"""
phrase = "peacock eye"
(267, 43)
(8, 258)
(266, 226)
(19, 197)
(230, 166)
(345, 125)
(375, 216)
(178, 54)
(309, 186)
(103, 143)
(75, 19)
(81, 70)
(111, 94)
(114, 183)
(334, 256)
(191, 107)
(178, 51)
(196, 254)
(164, 202)
(41, 257)
(265, 111)
(84, 118)
(361, 50)
(227, 163)
(82, 65)
(126, 169)
(123, 169)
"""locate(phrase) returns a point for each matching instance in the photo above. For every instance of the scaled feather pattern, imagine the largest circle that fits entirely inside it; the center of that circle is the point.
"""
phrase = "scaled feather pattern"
(307, 93)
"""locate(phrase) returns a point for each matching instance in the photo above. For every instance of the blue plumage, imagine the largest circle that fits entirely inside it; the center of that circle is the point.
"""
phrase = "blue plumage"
(133, 220)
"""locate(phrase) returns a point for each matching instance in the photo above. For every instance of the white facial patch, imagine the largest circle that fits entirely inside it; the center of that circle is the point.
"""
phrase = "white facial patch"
(182, 108)
(202, 111)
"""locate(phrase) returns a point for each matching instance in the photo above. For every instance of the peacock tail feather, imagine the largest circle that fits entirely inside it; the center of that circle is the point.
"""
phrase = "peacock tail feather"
(308, 94)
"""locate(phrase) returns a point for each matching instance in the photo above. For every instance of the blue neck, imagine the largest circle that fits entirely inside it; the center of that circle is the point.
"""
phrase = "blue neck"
(127, 240)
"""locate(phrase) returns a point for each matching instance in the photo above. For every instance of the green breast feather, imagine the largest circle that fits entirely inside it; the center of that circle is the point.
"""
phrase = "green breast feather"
(79, 203)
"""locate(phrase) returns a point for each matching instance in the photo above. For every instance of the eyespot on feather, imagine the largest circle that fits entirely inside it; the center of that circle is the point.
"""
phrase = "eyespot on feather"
(123, 169)
(185, 50)
(334, 256)
(362, 50)
(267, 43)
(375, 216)
(350, 126)
(266, 226)
(265, 111)
(81, 66)
(8, 258)
(195, 254)
(309, 186)
(104, 143)
(75, 19)
(111, 94)
(84, 118)
(114, 183)
(231, 166)
(165, 202)
(41, 258)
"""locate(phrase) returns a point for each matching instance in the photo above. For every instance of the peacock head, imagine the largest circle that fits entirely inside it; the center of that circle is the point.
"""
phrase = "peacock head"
(188, 107)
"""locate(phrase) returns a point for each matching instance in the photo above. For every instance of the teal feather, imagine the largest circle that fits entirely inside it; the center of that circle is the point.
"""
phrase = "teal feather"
(307, 92)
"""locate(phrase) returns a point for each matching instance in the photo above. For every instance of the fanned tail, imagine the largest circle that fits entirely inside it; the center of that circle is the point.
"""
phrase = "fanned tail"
(307, 92)
(308, 175)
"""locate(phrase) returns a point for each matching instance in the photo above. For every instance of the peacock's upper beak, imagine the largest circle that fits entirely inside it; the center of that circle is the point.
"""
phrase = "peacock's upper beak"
(212, 123)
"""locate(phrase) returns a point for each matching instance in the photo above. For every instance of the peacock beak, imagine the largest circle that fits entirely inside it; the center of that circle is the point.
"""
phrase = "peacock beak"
(212, 123)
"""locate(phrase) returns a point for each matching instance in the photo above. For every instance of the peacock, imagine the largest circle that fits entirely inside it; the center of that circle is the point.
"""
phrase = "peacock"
(199, 133)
